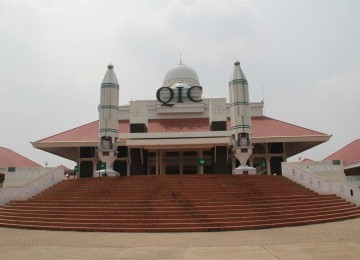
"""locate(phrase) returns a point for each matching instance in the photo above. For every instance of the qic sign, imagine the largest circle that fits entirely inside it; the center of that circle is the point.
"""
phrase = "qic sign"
(179, 97)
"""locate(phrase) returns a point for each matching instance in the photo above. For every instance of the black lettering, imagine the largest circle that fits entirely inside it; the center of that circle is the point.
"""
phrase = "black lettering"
(165, 102)
(180, 100)
(190, 96)
(179, 97)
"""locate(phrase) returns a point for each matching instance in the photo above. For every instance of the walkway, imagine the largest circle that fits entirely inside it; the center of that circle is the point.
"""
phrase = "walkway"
(337, 240)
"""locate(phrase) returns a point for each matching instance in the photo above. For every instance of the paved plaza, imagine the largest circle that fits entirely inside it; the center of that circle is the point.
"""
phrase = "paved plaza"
(336, 240)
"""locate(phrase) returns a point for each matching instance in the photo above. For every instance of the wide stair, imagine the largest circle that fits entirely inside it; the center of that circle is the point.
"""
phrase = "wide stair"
(175, 203)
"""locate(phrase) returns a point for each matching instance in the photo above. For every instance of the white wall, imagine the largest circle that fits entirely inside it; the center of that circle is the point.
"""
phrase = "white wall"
(27, 182)
(323, 178)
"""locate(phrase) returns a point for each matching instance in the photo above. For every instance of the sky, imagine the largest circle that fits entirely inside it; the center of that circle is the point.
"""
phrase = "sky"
(301, 57)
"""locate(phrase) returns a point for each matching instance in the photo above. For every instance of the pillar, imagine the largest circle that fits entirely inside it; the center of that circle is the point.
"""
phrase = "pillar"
(200, 168)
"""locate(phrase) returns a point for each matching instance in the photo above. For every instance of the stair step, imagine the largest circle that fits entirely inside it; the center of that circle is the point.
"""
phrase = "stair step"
(175, 204)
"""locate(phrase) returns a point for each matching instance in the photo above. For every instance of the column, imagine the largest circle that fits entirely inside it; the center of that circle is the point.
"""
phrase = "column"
(181, 162)
(157, 162)
(267, 156)
(94, 164)
(162, 164)
(128, 166)
(200, 168)
(284, 153)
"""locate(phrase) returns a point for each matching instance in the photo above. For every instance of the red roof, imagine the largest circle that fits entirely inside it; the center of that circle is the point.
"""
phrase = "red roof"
(9, 158)
(261, 127)
(268, 127)
(88, 132)
(348, 154)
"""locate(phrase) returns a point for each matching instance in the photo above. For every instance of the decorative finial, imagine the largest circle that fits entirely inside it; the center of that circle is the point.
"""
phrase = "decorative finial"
(110, 66)
(180, 62)
(237, 63)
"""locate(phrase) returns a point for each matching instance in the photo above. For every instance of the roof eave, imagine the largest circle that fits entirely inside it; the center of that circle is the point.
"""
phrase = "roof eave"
(351, 165)
(279, 139)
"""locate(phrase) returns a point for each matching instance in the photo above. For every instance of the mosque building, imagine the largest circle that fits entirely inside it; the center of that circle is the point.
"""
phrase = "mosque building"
(181, 132)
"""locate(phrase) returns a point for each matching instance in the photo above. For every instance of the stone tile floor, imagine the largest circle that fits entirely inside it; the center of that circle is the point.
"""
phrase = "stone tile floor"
(336, 240)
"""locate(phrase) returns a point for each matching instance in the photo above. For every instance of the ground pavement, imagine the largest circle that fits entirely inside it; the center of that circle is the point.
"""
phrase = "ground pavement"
(336, 240)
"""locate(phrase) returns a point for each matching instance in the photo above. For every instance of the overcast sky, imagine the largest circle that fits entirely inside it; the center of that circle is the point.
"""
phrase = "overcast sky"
(54, 54)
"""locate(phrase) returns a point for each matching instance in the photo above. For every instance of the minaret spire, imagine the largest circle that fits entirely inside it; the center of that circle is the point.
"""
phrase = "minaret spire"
(108, 122)
(240, 119)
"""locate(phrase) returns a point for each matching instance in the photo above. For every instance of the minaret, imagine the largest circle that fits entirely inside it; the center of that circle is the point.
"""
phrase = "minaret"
(108, 123)
(240, 119)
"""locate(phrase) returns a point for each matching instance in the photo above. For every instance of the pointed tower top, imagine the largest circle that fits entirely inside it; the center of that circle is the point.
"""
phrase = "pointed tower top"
(237, 73)
(110, 77)
(180, 60)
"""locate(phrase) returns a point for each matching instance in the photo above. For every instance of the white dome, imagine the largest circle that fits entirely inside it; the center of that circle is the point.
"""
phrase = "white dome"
(181, 73)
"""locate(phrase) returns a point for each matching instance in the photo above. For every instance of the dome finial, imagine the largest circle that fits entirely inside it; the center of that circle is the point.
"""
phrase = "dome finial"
(110, 66)
(237, 63)
(180, 60)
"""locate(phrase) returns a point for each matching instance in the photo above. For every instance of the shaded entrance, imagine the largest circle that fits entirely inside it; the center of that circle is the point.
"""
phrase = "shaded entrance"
(86, 169)
(176, 162)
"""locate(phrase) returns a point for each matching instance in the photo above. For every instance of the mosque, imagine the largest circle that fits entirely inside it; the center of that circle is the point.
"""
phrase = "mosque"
(181, 132)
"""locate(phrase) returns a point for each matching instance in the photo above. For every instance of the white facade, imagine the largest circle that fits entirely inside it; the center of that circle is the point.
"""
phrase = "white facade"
(216, 109)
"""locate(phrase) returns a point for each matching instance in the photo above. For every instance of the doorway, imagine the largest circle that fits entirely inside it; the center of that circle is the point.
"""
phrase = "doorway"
(175, 161)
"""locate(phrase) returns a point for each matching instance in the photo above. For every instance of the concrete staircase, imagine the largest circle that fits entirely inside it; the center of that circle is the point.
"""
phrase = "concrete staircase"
(176, 203)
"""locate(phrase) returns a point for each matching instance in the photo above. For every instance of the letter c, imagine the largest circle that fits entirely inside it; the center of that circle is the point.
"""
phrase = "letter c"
(189, 96)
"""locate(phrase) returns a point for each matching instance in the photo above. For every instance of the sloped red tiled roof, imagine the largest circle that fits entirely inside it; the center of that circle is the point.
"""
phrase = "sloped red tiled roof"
(9, 158)
(88, 132)
(268, 127)
(348, 154)
(261, 127)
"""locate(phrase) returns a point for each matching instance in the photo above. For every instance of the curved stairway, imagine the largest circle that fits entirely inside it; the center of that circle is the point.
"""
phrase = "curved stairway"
(174, 203)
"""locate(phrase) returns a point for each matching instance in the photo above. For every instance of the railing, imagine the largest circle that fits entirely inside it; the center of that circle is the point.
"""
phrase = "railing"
(42, 178)
(353, 178)
(323, 178)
